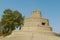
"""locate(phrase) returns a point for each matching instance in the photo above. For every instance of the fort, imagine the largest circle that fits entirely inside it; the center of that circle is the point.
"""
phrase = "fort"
(35, 28)
(36, 23)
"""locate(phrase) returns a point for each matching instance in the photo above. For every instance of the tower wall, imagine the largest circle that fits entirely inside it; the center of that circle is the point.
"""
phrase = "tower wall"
(36, 23)
(36, 14)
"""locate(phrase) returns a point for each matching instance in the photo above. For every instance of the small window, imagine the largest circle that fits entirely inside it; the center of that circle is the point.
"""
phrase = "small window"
(43, 23)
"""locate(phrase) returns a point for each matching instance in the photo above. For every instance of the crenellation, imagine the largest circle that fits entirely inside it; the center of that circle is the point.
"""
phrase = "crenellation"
(36, 14)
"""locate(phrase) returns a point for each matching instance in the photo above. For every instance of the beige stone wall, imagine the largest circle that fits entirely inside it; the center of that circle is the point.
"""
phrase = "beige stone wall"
(36, 23)
(36, 14)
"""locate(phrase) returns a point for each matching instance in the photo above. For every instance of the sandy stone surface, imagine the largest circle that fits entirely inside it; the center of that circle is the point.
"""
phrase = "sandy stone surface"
(18, 35)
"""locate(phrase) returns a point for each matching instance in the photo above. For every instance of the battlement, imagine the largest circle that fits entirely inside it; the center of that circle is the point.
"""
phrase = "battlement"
(36, 14)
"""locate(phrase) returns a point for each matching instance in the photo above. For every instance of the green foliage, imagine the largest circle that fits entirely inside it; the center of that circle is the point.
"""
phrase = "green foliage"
(58, 35)
(10, 20)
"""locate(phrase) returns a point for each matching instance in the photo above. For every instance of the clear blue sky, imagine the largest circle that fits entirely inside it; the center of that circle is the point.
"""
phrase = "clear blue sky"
(50, 9)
